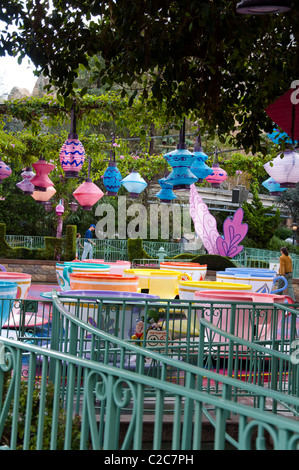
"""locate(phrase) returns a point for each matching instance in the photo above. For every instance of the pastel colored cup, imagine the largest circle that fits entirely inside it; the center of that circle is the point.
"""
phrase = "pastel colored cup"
(243, 324)
(187, 289)
(118, 321)
(116, 267)
(261, 280)
(63, 271)
(22, 280)
(107, 282)
(159, 282)
(8, 292)
(195, 270)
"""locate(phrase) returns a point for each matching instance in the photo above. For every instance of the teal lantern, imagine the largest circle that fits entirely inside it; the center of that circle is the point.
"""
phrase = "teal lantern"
(180, 160)
(166, 193)
(199, 168)
(134, 183)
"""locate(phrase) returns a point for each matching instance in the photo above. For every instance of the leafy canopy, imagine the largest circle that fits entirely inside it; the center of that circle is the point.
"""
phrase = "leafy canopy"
(199, 57)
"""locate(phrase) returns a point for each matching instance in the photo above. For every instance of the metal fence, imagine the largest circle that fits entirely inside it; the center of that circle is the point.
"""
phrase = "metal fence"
(258, 258)
(88, 388)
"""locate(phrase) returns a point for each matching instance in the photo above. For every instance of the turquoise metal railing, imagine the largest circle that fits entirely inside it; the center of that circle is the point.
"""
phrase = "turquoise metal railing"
(254, 257)
(26, 241)
(106, 397)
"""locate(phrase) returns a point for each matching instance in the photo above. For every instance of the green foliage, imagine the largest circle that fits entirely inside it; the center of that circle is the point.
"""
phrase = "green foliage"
(135, 250)
(47, 417)
(53, 248)
(70, 242)
(186, 54)
(5, 249)
(261, 226)
(183, 256)
(214, 262)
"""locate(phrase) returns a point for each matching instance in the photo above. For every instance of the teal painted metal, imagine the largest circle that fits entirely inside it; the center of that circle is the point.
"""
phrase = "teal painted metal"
(26, 241)
(107, 379)
(258, 258)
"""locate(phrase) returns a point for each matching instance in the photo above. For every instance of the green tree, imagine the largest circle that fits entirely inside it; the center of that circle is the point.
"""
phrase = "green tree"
(261, 225)
(200, 56)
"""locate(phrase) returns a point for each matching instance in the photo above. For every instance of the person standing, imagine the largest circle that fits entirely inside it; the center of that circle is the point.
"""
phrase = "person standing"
(88, 243)
(78, 244)
(286, 270)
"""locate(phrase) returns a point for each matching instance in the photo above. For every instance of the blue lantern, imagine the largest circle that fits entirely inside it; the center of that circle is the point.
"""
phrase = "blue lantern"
(134, 184)
(181, 160)
(112, 176)
(199, 168)
(112, 179)
(273, 187)
(166, 193)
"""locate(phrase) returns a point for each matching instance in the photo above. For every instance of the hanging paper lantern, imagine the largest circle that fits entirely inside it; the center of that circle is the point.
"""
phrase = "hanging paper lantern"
(181, 177)
(218, 176)
(273, 187)
(72, 156)
(74, 206)
(47, 205)
(198, 167)
(44, 196)
(112, 179)
(284, 169)
(25, 185)
(5, 171)
(41, 180)
(59, 209)
(166, 193)
(87, 194)
(134, 183)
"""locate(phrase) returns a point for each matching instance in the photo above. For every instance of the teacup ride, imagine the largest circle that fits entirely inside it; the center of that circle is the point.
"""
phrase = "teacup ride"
(116, 267)
(261, 280)
(8, 293)
(195, 270)
(187, 291)
(105, 282)
(63, 271)
(262, 303)
(162, 283)
(116, 312)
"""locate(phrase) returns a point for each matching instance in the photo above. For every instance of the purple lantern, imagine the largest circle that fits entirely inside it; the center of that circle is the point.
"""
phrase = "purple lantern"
(25, 185)
(218, 176)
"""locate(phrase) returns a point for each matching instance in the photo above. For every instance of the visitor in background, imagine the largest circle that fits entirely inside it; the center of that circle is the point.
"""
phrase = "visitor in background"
(286, 270)
(88, 243)
(78, 244)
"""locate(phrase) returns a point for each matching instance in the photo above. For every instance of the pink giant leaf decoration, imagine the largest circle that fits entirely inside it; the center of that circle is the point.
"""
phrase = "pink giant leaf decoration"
(234, 231)
(205, 224)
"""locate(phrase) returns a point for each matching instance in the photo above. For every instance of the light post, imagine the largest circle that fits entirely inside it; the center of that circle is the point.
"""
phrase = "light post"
(294, 228)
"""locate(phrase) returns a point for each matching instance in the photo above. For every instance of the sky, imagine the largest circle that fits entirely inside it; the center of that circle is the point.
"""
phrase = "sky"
(12, 74)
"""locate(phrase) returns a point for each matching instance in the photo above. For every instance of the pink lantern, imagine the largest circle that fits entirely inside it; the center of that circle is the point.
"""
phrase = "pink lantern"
(41, 180)
(72, 153)
(44, 196)
(5, 171)
(59, 209)
(88, 194)
(218, 175)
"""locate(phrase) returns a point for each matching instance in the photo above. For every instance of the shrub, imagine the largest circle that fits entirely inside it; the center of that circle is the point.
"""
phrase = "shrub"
(70, 242)
(135, 249)
(214, 262)
(53, 248)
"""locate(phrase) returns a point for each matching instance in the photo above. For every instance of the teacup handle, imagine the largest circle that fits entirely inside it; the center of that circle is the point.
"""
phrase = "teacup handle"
(66, 272)
(2, 267)
(283, 288)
